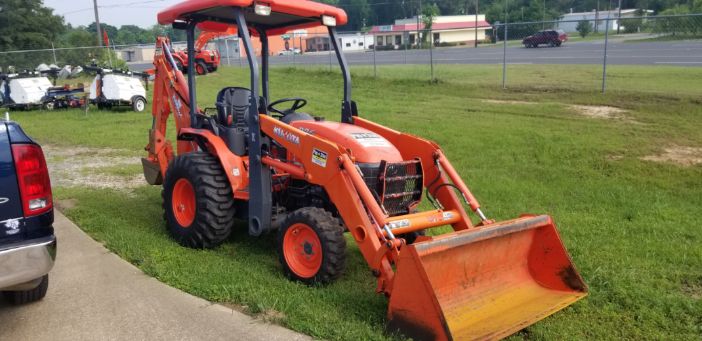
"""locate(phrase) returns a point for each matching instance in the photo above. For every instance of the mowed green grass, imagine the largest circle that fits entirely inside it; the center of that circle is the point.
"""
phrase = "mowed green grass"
(631, 226)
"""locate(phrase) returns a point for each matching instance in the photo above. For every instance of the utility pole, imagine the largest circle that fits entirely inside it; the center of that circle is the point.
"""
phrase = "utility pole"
(97, 24)
(477, 9)
(619, 17)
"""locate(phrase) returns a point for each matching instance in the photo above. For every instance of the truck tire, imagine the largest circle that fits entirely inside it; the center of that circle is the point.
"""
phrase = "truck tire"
(198, 201)
(311, 246)
(138, 103)
(200, 68)
(27, 296)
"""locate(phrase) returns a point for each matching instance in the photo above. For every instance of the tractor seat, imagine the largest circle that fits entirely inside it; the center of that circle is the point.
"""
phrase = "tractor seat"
(232, 108)
(233, 102)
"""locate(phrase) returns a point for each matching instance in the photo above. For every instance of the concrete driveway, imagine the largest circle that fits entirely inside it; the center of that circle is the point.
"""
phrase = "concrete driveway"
(95, 295)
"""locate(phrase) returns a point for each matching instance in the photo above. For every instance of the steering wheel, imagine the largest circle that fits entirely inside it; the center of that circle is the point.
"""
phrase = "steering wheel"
(298, 103)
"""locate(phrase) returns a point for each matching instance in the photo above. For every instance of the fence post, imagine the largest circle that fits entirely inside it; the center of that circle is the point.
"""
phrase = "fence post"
(504, 59)
(53, 50)
(330, 58)
(375, 66)
(604, 59)
(226, 47)
(431, 54)
(405, 45)
(293, 48)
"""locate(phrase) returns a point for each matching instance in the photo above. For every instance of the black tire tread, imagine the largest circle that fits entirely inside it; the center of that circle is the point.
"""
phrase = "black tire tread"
(28, 296)
(331, 234)
(214, 214)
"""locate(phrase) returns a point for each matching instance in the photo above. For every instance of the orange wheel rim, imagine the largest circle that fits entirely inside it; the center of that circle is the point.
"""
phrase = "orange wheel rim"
(183, 202)
(200, 69)
(302, 250)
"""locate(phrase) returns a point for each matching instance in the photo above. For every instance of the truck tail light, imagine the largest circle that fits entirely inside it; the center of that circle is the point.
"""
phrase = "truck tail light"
(33, 178)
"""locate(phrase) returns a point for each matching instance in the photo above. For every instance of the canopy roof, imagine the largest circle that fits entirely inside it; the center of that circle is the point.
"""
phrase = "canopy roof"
(285, 14)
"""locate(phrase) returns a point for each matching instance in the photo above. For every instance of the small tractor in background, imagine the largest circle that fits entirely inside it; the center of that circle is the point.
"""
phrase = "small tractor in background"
(115, 88)
(313, 180)
(206, 61)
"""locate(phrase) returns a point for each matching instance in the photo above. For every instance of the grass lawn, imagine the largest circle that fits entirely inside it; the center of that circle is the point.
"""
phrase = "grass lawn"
(632, 226)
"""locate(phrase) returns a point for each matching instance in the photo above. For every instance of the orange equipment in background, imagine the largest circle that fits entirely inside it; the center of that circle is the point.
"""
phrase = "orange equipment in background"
(312, 180)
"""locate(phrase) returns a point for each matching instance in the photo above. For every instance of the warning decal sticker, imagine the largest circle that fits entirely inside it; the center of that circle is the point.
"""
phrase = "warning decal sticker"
(319, 157)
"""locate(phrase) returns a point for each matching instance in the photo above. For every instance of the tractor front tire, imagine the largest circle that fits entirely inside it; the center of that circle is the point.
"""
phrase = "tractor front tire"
(311, 246)
(200, 68)
(197, 201)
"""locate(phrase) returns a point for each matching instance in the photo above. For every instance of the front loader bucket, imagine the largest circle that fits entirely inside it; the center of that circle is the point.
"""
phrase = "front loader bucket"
(484, 283)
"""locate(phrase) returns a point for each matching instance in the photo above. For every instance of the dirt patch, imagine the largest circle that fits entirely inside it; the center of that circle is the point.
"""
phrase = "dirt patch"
(65, 204)
(693, 288)
(684, 156)
(81, 167)
(271, 315)
(499, 101)
(601, 111)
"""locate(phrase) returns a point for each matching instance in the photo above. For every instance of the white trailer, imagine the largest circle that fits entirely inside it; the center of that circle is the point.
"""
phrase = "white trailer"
(110, 89)
(24, 91)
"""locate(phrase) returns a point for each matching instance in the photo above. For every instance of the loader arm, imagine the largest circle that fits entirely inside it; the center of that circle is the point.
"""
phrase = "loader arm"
(206, 36)
(170, 96)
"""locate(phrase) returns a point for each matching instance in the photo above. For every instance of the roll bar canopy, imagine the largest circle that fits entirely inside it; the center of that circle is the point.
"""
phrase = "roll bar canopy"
(285, 15)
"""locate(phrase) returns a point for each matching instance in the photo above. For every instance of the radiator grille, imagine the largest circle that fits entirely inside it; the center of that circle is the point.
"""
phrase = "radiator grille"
(397, 186)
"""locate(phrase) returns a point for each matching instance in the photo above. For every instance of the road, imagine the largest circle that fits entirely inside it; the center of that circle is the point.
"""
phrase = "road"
(95, 295)
(682, 53)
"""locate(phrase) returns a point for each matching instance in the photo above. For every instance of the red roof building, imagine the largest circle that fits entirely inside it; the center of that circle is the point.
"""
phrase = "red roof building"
(449, 30)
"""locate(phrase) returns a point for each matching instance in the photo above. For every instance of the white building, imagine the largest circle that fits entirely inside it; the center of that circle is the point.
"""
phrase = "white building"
(355, 42)
(450, 29)
(569, 21)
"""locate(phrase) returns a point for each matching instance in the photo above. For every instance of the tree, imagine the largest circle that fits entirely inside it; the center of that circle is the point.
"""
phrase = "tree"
(26, 25)
(429, 14)
(584, 28)
(358, 12)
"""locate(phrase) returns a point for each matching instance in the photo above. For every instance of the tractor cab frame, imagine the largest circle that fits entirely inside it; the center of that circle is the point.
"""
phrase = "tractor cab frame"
(254, 19)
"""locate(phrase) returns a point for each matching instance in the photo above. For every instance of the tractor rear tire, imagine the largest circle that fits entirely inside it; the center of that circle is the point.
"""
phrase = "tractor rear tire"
(200, 68)
(197, 201)
(311, 246)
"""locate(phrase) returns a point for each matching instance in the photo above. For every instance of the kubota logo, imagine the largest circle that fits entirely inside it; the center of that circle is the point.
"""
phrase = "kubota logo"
(286, 135)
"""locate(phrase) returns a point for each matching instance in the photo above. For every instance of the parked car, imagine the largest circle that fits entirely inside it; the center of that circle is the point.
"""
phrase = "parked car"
(27, 241)
(289, 52)
(546, 37)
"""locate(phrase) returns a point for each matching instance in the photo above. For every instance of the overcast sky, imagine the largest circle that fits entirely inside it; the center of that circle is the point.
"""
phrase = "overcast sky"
(114, 12)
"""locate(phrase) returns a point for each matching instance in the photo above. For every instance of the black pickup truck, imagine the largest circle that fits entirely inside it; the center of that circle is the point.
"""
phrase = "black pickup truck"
(27, 241)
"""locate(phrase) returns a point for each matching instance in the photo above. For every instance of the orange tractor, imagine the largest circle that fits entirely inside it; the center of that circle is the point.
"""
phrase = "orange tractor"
(312, 180)
(205, 60)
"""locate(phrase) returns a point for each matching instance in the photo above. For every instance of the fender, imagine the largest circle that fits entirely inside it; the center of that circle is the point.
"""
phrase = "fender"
(232, 164)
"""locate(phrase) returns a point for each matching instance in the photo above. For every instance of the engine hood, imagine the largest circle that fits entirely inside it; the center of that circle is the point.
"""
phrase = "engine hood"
(365, 145)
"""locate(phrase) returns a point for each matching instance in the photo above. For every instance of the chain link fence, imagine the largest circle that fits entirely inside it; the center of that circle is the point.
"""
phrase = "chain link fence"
(551, 54)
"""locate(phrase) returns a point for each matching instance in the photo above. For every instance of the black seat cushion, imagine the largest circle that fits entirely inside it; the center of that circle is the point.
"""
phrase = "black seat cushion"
(233, 102)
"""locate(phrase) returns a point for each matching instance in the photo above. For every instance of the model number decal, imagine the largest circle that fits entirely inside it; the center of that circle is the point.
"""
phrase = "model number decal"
(370, 140)
(290, 137)
(319, 157)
